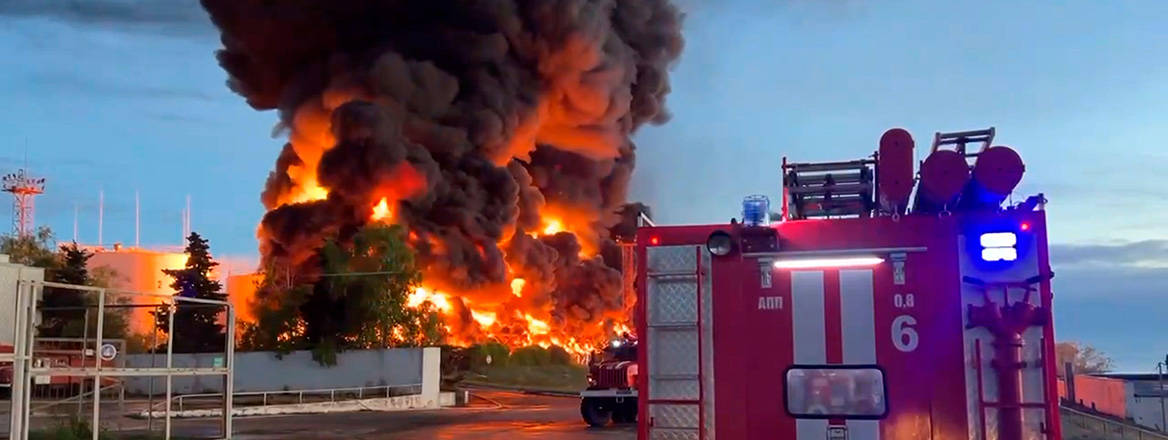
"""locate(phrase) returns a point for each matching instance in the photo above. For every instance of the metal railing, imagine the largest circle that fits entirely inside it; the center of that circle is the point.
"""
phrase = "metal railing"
(1101, 428)
(267, 397)
(29, 295)
(120, 386)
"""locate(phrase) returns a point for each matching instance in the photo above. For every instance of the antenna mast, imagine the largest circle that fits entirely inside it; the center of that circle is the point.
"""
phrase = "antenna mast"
(100, 216)
(137, 220)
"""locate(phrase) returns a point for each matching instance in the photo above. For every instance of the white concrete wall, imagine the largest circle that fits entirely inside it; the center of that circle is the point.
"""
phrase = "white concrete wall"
(1144, 411)
(9, 275)
(265, 371)
(431, 376)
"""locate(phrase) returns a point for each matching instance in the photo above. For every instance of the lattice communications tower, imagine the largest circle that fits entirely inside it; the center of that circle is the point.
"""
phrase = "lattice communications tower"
(24, 189)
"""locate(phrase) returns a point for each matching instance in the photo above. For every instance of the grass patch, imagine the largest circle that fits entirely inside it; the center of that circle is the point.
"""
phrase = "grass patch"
(1078, 427)
(77, 429)
(533, 368)
(567, 378)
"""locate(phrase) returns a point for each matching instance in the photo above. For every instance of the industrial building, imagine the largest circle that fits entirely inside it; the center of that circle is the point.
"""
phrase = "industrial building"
(241, 289)
(1139, 398)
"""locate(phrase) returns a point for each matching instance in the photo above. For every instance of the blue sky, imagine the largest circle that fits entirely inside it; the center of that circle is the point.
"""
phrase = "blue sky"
(126, 96)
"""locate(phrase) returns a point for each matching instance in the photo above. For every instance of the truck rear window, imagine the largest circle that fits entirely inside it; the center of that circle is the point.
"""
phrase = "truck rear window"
(835, 391)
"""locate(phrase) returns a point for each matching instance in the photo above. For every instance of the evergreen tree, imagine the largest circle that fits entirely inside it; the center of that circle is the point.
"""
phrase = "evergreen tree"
(63, 310)
(196, 326)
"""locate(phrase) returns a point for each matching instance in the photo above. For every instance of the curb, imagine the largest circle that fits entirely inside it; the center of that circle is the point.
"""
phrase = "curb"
(398, 403)
(472, 385)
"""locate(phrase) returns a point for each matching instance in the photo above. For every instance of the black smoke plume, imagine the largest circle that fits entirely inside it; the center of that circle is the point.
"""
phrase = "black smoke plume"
(477, 118)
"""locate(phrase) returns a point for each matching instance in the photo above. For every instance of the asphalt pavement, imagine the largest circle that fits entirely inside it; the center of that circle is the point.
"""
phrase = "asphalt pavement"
(496, 416)
(492, 415)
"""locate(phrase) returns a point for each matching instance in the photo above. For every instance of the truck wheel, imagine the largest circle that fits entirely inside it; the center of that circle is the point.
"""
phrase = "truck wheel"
(625, 412)
(596, 412)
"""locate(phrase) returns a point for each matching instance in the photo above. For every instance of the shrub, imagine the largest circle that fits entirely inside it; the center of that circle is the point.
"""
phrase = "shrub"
(499, 354)
(73, 429)
(558, 356)
(533, 355)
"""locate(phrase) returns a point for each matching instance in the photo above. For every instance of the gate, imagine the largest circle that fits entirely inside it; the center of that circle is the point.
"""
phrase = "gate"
(34, 365)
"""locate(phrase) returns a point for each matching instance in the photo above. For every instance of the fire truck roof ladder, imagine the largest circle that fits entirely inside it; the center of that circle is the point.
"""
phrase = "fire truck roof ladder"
(828, 189)
(959, 138)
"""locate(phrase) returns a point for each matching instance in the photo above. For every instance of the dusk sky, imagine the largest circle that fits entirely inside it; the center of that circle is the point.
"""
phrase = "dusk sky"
(108, 96)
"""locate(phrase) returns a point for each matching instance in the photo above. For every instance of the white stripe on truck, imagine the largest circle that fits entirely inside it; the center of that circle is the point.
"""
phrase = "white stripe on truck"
(810, 343)
(858, 330)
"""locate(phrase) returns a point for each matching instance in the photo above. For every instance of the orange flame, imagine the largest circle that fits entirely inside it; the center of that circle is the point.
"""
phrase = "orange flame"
(485, 319)
(536, 327)
(516, 312)
(381, 211)
(552, 226)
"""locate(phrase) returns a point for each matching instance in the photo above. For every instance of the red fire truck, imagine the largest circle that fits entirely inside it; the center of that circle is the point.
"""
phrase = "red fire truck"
(612, 382)
(881, 306)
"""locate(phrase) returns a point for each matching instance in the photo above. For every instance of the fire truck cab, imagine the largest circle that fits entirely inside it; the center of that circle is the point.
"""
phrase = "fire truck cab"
(612, 384)
(855, 317)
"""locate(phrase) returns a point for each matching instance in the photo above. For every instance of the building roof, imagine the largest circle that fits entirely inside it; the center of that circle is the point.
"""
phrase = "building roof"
(1132, 376)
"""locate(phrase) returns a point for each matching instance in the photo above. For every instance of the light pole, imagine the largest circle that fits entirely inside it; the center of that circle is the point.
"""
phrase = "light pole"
(1160, 392)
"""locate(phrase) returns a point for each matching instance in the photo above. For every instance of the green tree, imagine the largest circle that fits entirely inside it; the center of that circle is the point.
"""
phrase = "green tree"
(358, 301)
(278, 324)
(1084, 358)
(196, 326)
(63, 310)
(31, 250)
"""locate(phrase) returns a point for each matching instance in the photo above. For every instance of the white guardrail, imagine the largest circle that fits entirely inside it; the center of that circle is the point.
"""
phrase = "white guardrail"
(358, 393)
(1112, 429)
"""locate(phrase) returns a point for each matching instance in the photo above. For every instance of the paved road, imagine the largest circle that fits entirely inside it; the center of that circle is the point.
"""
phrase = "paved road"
(495, 416)
(519, 417)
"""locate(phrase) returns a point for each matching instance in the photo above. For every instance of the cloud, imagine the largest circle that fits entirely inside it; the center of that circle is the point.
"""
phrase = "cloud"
(1108, 295)
(174, 17)
(70, 82)
(175, 117)
(1136, 254)
(39, 163)
(1113, 309)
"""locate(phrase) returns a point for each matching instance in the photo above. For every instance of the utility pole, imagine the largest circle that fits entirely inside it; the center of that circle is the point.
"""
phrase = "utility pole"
(1160, 392)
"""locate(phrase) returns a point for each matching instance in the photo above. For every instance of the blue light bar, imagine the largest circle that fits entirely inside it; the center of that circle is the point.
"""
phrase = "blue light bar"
(755, 210)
